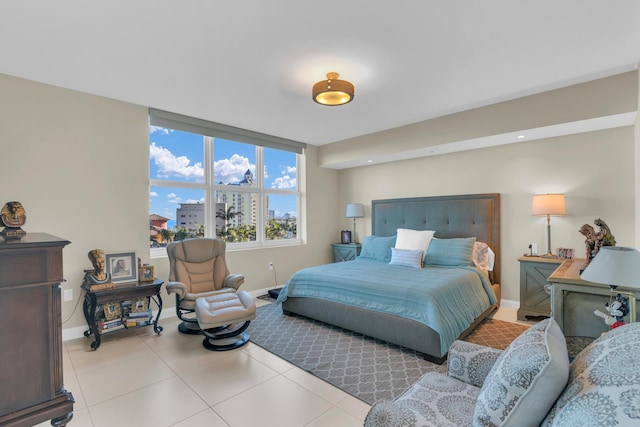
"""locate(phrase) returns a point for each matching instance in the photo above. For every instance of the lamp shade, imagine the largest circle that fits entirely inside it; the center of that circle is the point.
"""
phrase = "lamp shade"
(548, 204)
(614, 266)
(354, 210)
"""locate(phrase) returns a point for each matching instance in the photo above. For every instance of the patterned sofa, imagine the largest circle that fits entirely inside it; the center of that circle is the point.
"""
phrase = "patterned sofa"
(531, 383)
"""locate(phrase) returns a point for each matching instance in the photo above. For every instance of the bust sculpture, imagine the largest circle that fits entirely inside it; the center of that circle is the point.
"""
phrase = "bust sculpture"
(13, 216)
(99, 274)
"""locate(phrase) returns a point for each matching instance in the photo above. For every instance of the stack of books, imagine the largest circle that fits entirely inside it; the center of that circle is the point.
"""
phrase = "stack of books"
(110, 325)
(139, 318)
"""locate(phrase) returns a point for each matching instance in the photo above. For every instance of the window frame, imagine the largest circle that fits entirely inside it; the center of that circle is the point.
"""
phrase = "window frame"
(210, 131)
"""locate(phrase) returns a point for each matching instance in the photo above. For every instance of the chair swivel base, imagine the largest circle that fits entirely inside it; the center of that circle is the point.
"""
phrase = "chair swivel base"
(231, 339)
(189, 328)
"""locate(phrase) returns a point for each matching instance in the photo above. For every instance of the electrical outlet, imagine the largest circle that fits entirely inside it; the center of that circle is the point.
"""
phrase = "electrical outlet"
(270, 265)
(68, 294)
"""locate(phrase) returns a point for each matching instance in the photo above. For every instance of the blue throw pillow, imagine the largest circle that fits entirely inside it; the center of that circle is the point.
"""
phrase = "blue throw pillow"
(377, 248)
(450, 252)
(406, 257)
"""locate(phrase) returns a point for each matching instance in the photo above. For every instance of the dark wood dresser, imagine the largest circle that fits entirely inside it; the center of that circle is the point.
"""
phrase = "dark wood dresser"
(31, 332)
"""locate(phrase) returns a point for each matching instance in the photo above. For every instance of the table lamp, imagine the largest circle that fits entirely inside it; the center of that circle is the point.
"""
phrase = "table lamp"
(354, 210)
(616, 266)
(548, 204)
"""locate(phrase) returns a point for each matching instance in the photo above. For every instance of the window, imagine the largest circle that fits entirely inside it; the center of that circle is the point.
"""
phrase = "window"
(222, 182)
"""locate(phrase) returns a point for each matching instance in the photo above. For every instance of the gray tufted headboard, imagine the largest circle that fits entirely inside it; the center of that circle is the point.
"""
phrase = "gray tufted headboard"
(450, 216)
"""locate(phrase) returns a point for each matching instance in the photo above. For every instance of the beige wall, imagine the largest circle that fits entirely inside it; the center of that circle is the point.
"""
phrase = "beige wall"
(79, 165)
(611, 96)
(595, 171)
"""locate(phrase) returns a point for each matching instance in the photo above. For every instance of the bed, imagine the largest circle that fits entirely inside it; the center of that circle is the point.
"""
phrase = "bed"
(387, 301)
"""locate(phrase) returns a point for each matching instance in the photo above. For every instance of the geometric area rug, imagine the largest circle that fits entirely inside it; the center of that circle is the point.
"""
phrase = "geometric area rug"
(369, 369)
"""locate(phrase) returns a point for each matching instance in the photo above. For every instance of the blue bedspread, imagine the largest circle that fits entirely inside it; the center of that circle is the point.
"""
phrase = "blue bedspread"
(447, 299)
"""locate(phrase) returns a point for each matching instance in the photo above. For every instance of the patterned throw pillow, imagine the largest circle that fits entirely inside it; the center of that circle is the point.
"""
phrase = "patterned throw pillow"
(604, 383)
(526, 379)
(483, 256)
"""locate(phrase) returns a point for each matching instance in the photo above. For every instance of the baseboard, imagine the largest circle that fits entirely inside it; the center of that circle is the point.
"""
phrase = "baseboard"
(167, 312)
(78, 332)
(510, 304)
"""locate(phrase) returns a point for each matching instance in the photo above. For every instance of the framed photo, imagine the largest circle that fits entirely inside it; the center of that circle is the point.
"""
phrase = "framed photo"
(145, 273)
(345, 236)
(112, 310)
(565, 253)
(139, 305)
(122, 266)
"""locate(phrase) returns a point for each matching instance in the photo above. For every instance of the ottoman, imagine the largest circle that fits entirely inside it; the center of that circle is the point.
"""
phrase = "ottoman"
(223, 319)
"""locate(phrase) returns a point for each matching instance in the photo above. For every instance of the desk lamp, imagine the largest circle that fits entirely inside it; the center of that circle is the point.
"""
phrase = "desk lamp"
(616, 266)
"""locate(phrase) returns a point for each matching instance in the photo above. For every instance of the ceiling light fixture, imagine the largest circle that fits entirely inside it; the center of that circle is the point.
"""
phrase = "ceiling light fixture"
(333, 91)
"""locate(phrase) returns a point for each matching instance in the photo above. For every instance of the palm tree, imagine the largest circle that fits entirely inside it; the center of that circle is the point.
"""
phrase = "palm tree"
(274, 230)
(167, 235)
(227, 216)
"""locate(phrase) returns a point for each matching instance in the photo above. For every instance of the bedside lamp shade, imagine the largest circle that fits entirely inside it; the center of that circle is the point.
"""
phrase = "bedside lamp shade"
(548, 204)
(354, 210)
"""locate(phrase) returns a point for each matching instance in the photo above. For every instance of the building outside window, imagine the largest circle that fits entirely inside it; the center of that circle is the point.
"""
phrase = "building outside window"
(211, 183)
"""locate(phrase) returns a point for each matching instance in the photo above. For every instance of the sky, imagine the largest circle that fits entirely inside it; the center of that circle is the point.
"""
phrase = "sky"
(179, 157)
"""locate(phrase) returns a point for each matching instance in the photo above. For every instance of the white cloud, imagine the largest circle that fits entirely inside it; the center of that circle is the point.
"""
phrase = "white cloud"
(164, 131)
(231, 171)
(201, 201)
(153, 194)
(172, 166)
(284, 182)
(171, 195)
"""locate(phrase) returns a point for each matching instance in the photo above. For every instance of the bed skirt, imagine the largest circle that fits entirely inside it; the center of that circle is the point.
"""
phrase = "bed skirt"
(387, 327)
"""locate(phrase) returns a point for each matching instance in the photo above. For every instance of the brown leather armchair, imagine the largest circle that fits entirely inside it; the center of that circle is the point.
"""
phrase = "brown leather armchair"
(198, 268)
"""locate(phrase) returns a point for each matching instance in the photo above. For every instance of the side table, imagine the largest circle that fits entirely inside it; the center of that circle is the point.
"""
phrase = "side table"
(121, 292)
(345, 251)
(574, 300)
(534, 292)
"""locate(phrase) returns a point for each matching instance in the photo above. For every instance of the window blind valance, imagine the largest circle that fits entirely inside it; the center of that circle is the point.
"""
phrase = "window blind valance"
(170, 120)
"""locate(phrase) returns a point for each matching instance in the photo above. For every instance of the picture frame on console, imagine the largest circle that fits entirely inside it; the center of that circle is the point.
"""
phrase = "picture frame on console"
(140, 305)
(565, 253)
(112, 310)
(146, 273)
(122, 266)
(345, 236)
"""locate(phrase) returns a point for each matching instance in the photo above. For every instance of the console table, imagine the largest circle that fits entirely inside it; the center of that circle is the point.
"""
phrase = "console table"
(31, 332)
(574, 300)
(93, 300)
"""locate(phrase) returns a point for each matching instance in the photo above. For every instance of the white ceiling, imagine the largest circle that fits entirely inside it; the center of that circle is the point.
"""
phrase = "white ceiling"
(252, 63)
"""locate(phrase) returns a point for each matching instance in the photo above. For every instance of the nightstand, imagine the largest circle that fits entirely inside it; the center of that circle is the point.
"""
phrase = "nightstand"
(534, 291)
(345, 251)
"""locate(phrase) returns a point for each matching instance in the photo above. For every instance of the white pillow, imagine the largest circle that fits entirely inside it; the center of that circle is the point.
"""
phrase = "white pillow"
(406, 257)
(414, 240)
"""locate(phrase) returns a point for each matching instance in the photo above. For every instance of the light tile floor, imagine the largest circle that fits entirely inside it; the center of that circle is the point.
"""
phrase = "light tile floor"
(138, 378)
